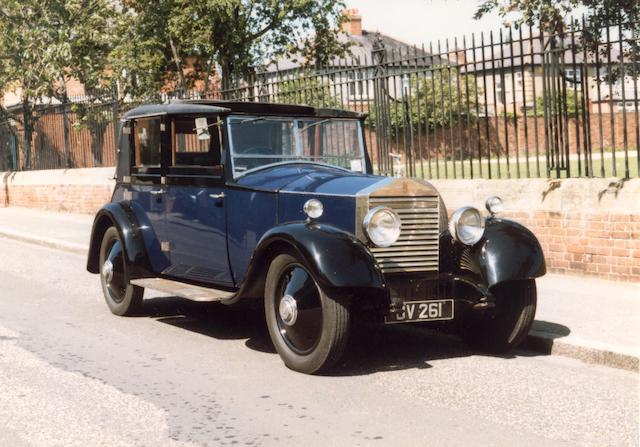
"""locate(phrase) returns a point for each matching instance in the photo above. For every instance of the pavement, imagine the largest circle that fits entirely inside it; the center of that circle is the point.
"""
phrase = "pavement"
(593, 320)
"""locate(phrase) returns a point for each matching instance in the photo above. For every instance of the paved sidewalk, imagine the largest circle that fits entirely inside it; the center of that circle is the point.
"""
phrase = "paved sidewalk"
(594, 320)
(70, 232)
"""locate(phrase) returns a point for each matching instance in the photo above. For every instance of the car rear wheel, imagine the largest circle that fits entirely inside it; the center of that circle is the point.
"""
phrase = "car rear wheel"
(308, 328)
(122, 297)
(505, 326)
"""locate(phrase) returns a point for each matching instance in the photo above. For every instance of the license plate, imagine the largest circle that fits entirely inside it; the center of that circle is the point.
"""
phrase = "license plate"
(433, 310)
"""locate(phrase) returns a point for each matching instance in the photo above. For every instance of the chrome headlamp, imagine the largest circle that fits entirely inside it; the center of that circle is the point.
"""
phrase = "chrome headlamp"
(382, 226)
(467, 225)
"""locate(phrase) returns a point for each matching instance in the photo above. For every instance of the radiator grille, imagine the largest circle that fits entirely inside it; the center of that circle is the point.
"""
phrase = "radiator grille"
(417, 248)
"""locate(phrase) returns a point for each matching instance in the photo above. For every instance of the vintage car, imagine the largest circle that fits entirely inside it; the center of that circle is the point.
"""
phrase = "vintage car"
(232, 201)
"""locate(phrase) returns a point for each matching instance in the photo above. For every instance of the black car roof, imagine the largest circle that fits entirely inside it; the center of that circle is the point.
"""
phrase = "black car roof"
(172, 109)
(189, 107)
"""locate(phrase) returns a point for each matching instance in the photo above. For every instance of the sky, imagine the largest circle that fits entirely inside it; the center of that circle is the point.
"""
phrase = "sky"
(423, 21)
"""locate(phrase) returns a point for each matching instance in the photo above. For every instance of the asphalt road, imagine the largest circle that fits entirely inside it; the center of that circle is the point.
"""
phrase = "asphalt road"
(200, 374)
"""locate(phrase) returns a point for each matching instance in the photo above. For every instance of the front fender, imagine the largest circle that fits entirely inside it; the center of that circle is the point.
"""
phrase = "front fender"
(122, 217)
(508, 251)
(334, 257)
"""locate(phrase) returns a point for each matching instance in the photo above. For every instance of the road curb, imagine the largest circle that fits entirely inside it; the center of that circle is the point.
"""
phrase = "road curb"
(70, 247)
(549, 344)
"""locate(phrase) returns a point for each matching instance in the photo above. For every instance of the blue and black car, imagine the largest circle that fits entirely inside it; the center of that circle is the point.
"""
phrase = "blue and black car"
(232, 201)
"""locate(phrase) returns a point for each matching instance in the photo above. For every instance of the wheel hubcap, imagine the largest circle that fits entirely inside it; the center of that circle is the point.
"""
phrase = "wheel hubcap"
(298, 311)
(288, 310)
(113, 272)
(107, 271)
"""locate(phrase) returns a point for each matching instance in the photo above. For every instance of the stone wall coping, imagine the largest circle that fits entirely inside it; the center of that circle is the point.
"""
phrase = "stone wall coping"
(79, 176)
(582, 195)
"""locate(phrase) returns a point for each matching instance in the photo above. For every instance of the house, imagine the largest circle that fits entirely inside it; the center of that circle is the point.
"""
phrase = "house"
(351, 79)
(516, 73)
(13, 96)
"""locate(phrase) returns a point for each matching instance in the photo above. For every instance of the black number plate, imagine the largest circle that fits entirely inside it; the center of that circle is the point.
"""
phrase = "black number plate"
(433, 310)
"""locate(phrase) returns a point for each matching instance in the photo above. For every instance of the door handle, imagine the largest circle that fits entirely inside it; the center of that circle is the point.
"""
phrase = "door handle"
(157, 193)
(217, 196)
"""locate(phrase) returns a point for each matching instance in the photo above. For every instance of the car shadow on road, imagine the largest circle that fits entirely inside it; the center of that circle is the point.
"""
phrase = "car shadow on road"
(414, 346)
(212, 319)
(380, 349)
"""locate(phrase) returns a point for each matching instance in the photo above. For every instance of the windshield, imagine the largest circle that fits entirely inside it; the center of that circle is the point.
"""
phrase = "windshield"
(260, 141)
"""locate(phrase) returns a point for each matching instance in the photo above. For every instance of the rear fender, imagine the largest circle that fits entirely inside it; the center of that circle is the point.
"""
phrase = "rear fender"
(121, 216)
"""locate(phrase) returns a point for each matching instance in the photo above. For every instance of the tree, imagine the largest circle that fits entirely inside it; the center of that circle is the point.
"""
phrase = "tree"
(44, 43)
(148, 55)
(553, 16)
(235, 35)
(244, 34)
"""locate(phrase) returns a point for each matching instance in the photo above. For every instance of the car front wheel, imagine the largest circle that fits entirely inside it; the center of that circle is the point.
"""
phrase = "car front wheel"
(505, 326)
(308, 328)
(122, 297)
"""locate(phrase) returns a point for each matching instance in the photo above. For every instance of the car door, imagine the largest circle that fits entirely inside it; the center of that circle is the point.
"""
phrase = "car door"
(196, 214)
(146, 187)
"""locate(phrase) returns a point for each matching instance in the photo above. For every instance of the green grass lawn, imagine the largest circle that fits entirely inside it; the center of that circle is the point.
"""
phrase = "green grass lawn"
(500, 169)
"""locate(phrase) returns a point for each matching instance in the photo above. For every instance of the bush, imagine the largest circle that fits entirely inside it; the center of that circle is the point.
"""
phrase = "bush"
(556, 104)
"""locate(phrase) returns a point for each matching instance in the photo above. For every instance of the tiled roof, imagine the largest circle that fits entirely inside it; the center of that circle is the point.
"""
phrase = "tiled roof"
(362, 47)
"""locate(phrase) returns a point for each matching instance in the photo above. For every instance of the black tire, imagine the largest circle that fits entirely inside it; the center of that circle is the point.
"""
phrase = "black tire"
(122, 297)
(504, 327)
(317, 338)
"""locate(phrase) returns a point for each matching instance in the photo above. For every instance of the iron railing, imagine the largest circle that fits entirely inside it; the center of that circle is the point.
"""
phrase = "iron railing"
(517, 103)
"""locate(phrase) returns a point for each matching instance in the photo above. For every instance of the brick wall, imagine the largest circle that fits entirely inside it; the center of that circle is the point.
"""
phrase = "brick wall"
(602, 245)
(585, 226)
(66, 190)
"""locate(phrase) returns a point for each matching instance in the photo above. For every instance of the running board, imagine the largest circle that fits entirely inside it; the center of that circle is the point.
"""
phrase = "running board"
(188, 291)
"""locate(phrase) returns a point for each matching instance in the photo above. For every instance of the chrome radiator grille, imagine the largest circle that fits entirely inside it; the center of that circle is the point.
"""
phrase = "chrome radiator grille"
(417, 248)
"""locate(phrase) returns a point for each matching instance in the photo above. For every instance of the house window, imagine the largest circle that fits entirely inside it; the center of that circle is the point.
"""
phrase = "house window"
(500, 93)
(519, 80)
(573, 75)
(628, 106)
(356, 83)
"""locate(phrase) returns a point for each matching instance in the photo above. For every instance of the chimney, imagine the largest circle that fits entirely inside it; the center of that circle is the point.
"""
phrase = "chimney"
(353, 23)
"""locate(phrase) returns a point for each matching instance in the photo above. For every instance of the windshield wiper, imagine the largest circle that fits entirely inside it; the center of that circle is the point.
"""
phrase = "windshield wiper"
(314, 124)
(253, 120)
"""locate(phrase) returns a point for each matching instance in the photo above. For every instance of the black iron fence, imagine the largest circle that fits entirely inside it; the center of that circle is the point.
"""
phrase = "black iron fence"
(512, 104)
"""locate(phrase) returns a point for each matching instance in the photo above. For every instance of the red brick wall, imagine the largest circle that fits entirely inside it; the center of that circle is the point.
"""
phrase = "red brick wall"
(603, 245)
(65, 198)
(65, 190)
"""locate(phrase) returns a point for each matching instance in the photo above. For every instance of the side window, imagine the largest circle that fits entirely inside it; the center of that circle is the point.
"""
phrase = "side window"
(147, 143)
(192, 148)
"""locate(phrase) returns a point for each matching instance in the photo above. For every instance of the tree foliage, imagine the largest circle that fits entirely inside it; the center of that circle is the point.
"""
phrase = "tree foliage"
(43, 43)
(558, 104)
(306, 89)
(159, 45)
(554, 16)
